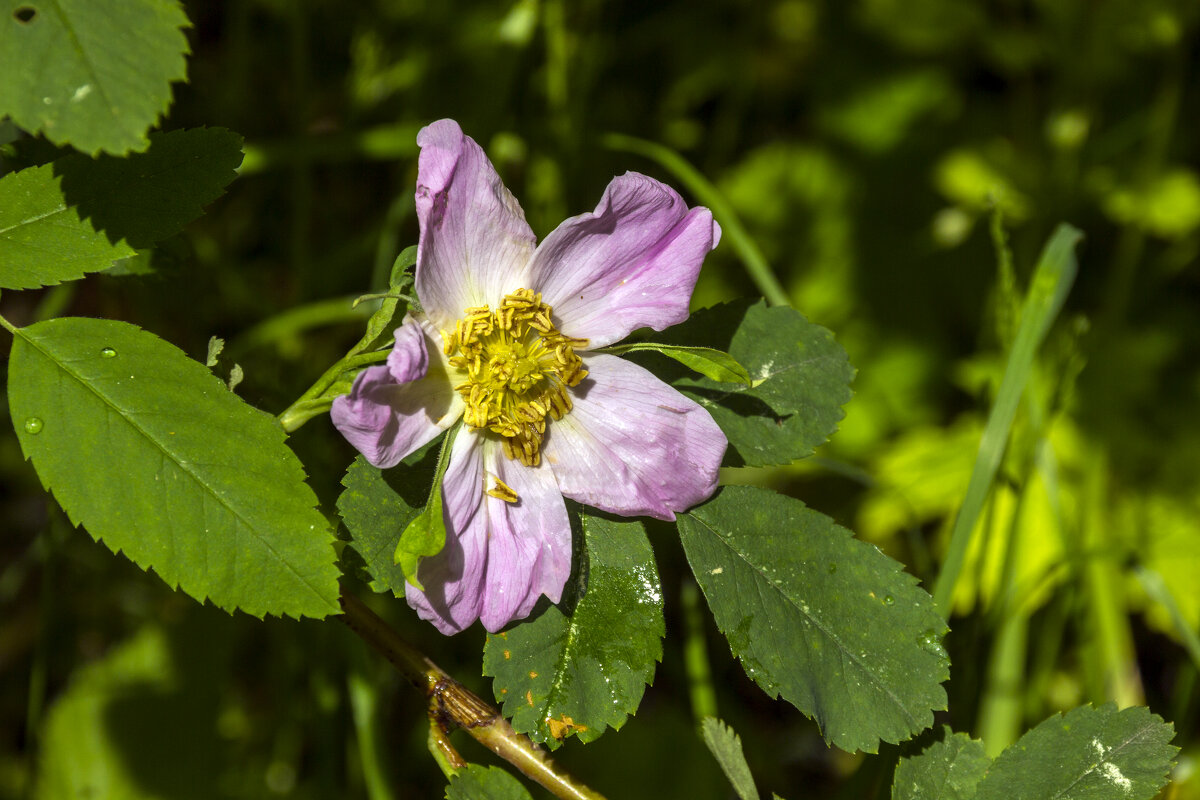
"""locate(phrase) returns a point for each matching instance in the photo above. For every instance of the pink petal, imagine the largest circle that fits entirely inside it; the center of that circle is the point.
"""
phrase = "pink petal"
(633, 445)
(394, 409)
(409, 359)
(475, 245)
(499, 557)
(631, 263)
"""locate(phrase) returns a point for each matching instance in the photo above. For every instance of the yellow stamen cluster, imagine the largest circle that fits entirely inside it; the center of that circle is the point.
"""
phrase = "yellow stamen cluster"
(518, 368)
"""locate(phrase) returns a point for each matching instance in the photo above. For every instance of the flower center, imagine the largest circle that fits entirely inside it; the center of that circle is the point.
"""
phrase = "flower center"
(518, 368)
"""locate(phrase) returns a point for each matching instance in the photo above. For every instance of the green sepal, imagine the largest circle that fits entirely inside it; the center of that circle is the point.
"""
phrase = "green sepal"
(380, 322)
(426, 535)
(708, 361)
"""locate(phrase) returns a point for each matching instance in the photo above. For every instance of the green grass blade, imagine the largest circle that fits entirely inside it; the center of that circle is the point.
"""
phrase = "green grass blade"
(1048, 290)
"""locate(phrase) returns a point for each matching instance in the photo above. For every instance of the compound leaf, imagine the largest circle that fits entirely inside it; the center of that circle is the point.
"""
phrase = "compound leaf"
(158, 459)
(584, 664)
(817, 617)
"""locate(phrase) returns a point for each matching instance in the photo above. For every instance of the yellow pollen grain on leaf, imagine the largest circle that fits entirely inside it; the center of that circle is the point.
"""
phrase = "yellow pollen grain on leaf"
(529, 697)
(507, 654)
(532, 674)
(514, 369)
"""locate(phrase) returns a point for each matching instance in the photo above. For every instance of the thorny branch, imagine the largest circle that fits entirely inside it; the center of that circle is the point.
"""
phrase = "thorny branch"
(452, 705)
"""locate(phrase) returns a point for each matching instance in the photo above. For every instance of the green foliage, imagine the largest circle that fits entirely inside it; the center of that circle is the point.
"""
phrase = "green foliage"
(1086, 754)
(946, 770)
(376, 507)
(380, 323)
(425, 534)
(726, 747)
(583, 665)
(145, 197)
(823, 620)
(159, 460)
(80, 214)
(800, 378)
(141, 722)
(485, 783)
(710, 363)
(1052, 279)
(113, 65)
(43, 241)
(1168, 207)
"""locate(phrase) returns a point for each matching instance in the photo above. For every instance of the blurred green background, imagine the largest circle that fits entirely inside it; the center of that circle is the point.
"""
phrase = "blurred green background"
(866, 145)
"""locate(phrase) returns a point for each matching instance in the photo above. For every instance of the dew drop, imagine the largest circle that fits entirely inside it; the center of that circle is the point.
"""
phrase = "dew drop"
(832, 568)
(931, 643)
(888, 600)
(108, 352)
(33, 425)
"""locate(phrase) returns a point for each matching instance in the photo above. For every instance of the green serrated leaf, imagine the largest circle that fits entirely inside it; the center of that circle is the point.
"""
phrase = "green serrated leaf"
(726, 747)
(79, 215)
(159, 460)
(709, 362)
(43, 241)
(95, 74)
(377, 505)
(946, 770)
(425, 534)
(145, 197)
(584, 664)
(817, 617)
(799, 380)
(485, 783)
(1086, 754)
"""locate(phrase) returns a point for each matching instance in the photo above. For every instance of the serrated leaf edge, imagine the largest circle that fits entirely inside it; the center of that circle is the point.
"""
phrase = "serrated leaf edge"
(208, 490)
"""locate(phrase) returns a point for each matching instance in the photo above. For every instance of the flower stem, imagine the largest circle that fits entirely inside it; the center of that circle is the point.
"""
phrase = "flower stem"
(452, 705)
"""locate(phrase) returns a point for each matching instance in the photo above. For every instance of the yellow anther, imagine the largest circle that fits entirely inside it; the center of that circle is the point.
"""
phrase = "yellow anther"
(502, 491)
(517, 368)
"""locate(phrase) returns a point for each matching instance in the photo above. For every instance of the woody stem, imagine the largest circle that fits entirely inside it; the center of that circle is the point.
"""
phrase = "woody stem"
(453, 705)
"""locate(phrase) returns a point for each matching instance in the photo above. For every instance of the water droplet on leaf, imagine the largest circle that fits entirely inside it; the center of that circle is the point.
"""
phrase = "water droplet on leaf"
(108, 352)
(931, 643)
(33, 425)
(888, 600)
(832, 568)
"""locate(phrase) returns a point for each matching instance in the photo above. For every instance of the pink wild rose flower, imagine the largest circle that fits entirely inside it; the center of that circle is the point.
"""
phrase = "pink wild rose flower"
(509, 340)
